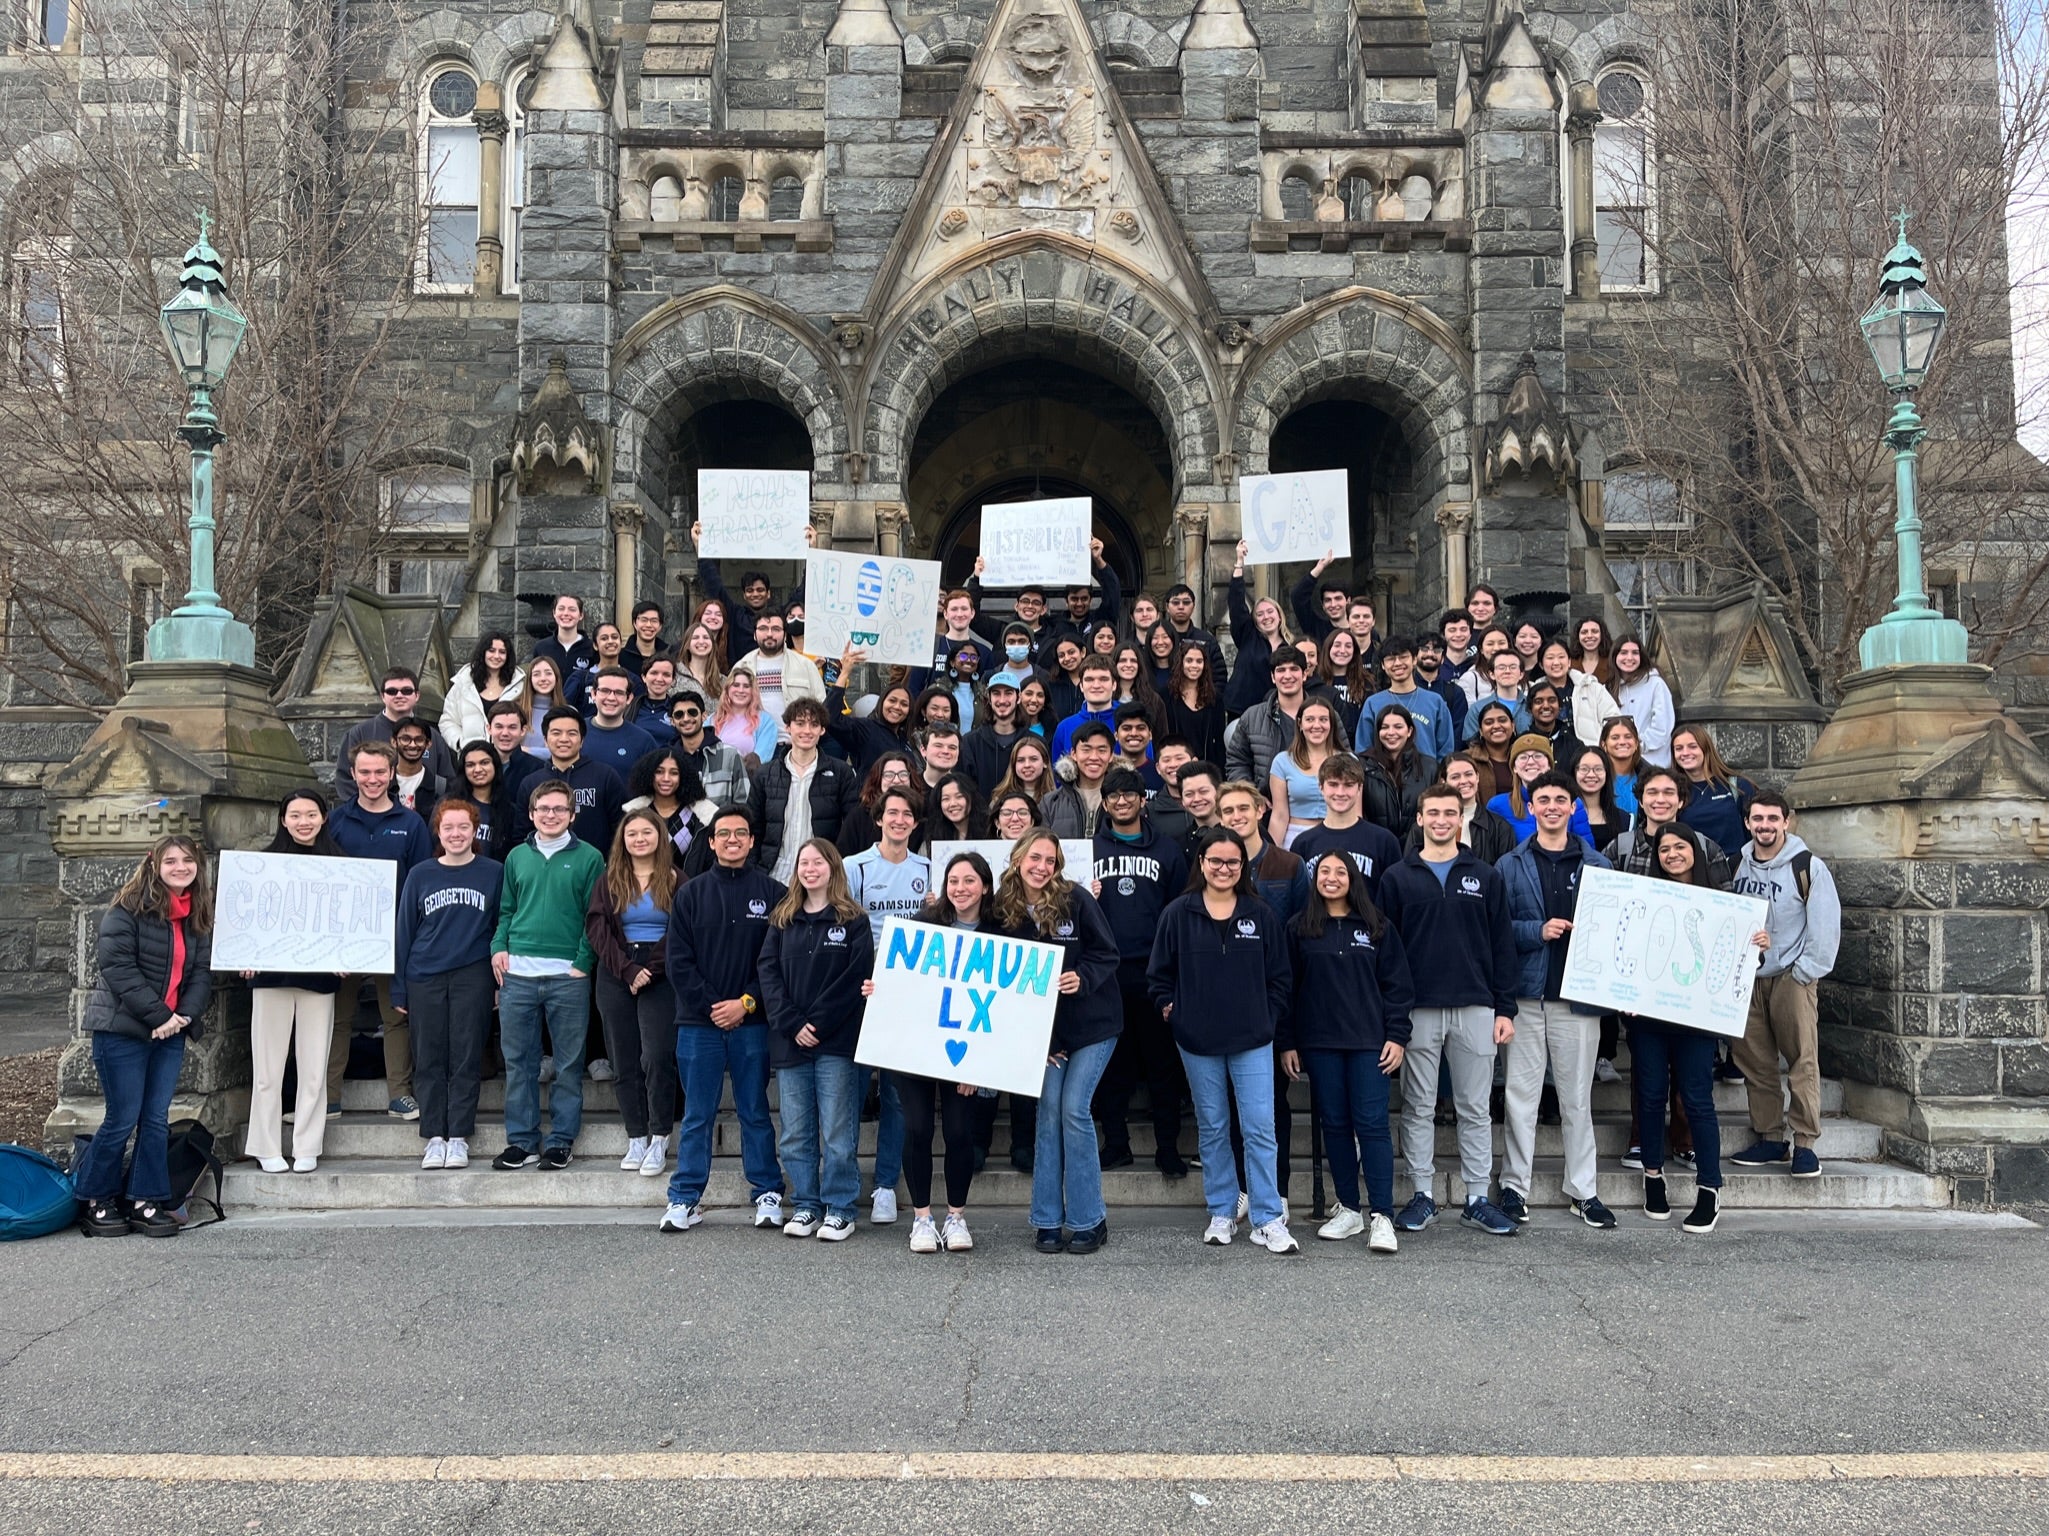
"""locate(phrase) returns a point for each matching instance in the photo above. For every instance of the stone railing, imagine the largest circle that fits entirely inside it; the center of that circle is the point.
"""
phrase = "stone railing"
(1377, 189)
(736, 186)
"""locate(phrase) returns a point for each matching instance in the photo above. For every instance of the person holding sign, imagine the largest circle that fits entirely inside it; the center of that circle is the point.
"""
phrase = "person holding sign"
(443, 983)
(1219, 973)
(1037, 901)
(815, 963)
(1258, 631)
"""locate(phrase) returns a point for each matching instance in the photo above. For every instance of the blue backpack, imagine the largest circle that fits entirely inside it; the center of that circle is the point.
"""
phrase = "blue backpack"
(36, 1197)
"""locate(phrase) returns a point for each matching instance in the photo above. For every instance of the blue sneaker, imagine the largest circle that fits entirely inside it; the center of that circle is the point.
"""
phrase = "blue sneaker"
(1513, 1206)
(1483, 1213)
(1762, 1153)
(404, 1107)
(1417, 1214)
(1806, 1165)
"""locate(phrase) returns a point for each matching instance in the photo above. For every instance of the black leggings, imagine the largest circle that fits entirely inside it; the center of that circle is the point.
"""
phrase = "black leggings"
(957, 1124)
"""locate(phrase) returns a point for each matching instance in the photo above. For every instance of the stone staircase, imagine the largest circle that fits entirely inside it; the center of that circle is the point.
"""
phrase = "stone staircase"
(371, 1161)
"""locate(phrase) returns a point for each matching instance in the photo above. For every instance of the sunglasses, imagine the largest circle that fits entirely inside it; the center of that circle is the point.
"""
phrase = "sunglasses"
(400, 693)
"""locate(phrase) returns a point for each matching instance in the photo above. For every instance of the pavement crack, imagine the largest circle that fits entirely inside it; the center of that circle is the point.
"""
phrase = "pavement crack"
(973, 1373)
(72, 1322)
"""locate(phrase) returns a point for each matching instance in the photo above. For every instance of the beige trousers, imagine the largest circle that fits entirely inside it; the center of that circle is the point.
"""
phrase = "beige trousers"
(284, 1021)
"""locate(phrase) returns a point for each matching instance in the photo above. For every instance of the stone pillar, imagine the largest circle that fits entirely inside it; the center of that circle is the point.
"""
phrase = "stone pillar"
(1583, 115)
(1191, 531)
(627, 521)
(492, 127)
(1455, 518)
(1932, 810)
(194, 748)
(892, 529)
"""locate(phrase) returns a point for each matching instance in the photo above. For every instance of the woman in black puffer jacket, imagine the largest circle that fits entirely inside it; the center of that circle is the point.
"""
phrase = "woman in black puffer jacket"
(154, 986)
(1396, 773)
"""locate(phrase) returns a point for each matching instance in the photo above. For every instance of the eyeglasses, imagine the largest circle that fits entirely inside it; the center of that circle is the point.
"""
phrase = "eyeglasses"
(551, 810)
(1221, 865)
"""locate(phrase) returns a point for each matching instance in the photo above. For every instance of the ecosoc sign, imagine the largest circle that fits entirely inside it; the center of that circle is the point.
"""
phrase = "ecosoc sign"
(881, 606)
(961, 1006)
(1295, 517)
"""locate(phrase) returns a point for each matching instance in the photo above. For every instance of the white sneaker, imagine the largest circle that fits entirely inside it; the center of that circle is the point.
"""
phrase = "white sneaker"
(1380, 1236)
(547, 1069)
(305, 1164)
(924, 1236)
(272, 1164)
(768, 1210)
(837, 1229)
(955, 1234)
(1221, 1230)
(436, 1155)
(601, 1071)
(681, 1218)
(1604, 1071)
(883, 1212)
(802, 1224)
(1275, 1237)
(1244, 1206)
(458, 1153)
(636, 1154)
(1346, 1223)
(657, 1158)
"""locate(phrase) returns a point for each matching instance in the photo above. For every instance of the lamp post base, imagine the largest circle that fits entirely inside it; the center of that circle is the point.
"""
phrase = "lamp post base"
(191, 637)
(1925, 639)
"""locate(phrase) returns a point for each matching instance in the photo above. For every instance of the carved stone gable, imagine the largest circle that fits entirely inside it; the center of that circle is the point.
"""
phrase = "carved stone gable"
(1038, 141)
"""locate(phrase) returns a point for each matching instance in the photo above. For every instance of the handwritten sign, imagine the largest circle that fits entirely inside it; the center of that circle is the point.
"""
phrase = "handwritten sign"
(1077, 854)
(301, 912)
(753, 514)
(961, 1006)
(1295, 517)
(885, 607)
(1042, 543)
(1681, 953)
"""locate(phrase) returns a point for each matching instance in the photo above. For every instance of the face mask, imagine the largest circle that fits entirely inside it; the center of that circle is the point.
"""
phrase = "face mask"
(1017, 652)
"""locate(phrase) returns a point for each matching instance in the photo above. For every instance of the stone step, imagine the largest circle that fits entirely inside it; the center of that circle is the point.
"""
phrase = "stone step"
(604, 1135)
(380, 1183)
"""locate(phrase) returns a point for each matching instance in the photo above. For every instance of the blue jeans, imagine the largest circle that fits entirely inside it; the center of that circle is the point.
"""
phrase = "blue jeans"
(821, 1103)
(889, 1130)
(137, 1079)
(1067, 1171)
(1351, 1100)
(1213, 1082)
(705, 1054)
(1688, 1056)
(523, 1002)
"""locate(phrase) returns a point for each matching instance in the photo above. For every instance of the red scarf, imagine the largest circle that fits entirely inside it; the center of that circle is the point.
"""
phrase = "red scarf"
(180, 908)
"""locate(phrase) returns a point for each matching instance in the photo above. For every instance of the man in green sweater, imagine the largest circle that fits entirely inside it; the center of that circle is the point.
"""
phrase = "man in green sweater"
(543, 964)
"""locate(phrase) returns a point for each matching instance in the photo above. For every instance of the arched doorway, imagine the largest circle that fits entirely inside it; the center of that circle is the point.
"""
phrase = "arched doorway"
(737, 434)
(1034, 429)
(1359, 437)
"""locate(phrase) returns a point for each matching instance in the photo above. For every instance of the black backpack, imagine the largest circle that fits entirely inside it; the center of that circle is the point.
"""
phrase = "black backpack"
(193, 1161)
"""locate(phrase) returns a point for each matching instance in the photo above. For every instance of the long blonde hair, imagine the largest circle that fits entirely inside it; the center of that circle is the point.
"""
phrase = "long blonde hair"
(721, 714)
(838, 894)
(621, 884)
(1016, 906)
(528, 707)
(715, 658)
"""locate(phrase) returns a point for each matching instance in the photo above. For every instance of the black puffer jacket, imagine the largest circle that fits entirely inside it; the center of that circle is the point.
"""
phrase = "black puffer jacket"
(835, 790)
(1393, 805)
(135, 970)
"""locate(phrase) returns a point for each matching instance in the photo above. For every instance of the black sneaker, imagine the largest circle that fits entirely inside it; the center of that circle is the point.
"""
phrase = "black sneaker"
(1171, 1165)
(152, 1218)
(1707, 1209)
(102, 1218)
(1050, 1240)
(514, 1157)
(554, 1159)
(1513, 1206)
(1655, 1204)
(1089, 1239)
(1114, 1157)
(1594, 1214)
(1728, 1072)
(1762, 1154)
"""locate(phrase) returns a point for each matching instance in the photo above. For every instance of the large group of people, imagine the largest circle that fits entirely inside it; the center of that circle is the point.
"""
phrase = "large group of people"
(1341, 856)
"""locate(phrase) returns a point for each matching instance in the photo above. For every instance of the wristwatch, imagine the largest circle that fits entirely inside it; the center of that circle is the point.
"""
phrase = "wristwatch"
(747, 1002)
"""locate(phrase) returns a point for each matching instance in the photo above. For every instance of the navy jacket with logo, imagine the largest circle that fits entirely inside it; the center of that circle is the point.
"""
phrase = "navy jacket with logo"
(1089, 949)
(1518, 871)
(1228, 983)
(598, 790)
(1138, 880)
(811, 973)
(1460, 944)
(1352, 991)
(716, 930)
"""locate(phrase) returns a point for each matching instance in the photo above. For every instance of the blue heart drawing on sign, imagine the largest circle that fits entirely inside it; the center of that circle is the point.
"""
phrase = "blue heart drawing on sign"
(955, 1049)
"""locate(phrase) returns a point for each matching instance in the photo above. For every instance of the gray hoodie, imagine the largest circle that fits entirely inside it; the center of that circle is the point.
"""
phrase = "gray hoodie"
(1805, 935)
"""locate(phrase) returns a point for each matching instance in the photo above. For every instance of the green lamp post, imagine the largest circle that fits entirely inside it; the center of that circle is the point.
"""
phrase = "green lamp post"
(1902, 327)
(203, 328)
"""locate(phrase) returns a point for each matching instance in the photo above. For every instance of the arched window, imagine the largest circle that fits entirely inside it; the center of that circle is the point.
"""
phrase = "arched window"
(665, 200)
(726, 193)
(1625, 177)
(786, 199)
(516, 92)
(425, 549)
(450, 173)
(1298, 196)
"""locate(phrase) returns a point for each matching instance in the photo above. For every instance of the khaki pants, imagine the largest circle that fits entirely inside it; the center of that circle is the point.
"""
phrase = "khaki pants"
(1784, 1020)
(398, 1042)
(284, 1021)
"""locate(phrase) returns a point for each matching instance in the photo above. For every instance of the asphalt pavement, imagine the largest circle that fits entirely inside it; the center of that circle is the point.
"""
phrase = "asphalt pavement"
(1881, 1339)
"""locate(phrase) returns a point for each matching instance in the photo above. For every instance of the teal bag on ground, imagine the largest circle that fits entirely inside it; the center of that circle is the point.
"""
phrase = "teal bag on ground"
(36, 1197)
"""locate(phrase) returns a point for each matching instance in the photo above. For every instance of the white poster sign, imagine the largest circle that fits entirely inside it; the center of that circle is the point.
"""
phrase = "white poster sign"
(300, 912)
(961, 1006)
(1043, 543)
(1681, 953)
(753, 514)
(882, 606)
(1077, 854)
(1295, 517)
